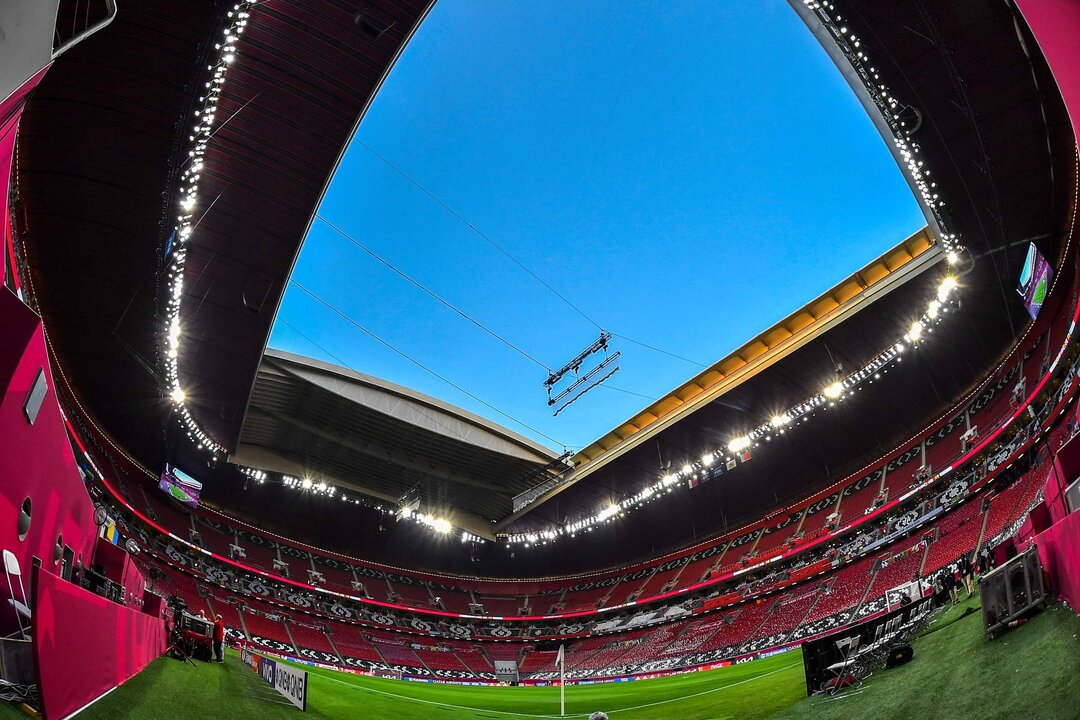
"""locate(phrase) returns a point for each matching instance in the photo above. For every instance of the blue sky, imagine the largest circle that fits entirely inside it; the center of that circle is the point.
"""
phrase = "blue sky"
(685, 173)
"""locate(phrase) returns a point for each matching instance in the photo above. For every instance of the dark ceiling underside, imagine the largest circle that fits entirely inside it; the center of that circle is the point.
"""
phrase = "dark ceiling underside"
(366, 447)
(105, 129)
(304, 74)
(94, 153)
(99, 149)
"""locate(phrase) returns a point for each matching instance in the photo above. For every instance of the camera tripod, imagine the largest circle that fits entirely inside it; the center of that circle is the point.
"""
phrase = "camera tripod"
(177, 647)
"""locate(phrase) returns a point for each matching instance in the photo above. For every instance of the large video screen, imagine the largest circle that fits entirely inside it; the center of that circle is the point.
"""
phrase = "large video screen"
(180, 486)
(1034, 280)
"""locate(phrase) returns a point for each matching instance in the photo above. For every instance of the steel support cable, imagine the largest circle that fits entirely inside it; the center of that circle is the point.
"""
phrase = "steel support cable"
(419, 364)
(513, 259)
(480, 233)
(431, 293)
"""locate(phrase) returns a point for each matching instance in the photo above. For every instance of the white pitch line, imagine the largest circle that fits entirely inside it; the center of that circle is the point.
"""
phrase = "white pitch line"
(440, 704)
(703, 692)
(531, 715)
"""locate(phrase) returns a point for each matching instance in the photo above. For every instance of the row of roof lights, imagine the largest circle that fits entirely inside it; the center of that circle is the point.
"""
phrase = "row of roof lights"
(439, 525)
(890, 109)
(888, 105)
(201, 132)
(828, 397)
(308, 485)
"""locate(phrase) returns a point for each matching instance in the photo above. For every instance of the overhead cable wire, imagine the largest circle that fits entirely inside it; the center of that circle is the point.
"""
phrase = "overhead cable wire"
(513, 259)
(344, 364)
(431, 293)
(479, 232)
(419, 364)
(628, 392)
(659, 350)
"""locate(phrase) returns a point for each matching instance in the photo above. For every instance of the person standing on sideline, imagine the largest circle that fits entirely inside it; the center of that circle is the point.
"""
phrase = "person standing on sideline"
(219, 640)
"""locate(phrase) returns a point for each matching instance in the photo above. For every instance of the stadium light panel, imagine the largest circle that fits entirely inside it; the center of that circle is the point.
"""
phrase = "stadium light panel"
(739, 443)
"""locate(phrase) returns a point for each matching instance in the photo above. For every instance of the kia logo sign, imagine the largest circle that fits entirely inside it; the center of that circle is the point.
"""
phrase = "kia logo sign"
(291, 682)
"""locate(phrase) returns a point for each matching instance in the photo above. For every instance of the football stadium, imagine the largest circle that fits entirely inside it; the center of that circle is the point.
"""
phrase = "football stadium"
(303, 301)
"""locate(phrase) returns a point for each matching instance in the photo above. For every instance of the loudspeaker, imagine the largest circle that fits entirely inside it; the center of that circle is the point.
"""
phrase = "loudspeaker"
(203, 652)
(1040, 518)
(899, 655)
(1072, 497)
(370, 26)
(17, 661)
(36, 396)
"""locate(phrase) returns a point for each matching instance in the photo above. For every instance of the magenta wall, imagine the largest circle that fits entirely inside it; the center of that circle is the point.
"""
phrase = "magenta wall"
(119, 567)
(1059, 551)
(85, 645)
(1056, 26)
(1066, 469)
(36, 461)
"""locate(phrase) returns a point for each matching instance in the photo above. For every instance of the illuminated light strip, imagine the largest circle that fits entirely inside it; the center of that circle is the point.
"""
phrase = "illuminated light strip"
(9, 241)
(673, 593)
(9, 229)
(883, 362)
(712, 581)
(848, 44)
(1066, 398)
(188, 193)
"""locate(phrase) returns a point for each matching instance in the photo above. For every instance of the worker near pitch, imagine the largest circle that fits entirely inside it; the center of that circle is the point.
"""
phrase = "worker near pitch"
(219, 640)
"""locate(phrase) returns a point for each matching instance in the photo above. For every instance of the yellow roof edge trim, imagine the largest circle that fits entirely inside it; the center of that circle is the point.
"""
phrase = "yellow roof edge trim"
(791, 327)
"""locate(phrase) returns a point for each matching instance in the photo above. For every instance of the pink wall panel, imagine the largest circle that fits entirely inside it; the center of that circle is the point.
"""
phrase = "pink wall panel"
(85, 645)
(1059, 550)
(36, 460)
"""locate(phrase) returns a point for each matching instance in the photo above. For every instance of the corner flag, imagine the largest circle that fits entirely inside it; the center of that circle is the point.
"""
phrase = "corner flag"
(560, 660)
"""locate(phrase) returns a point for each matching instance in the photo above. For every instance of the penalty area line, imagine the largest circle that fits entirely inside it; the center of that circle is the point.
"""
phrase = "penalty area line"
(563, 717)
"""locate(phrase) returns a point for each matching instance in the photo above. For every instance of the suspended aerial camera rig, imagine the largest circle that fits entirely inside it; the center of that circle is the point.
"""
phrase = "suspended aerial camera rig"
(584, 383)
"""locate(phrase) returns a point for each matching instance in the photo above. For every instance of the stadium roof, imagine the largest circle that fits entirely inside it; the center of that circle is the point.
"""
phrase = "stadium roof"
(104, 139)
(854, 293)
(101, 150)
(989, 121)
(309, 418)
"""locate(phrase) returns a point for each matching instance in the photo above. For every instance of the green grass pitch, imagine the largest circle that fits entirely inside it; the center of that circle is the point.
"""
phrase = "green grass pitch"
(1029, 672)
(169, 689)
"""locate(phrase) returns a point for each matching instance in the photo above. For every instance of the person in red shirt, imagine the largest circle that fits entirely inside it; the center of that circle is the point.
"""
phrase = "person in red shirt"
(219, 639)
